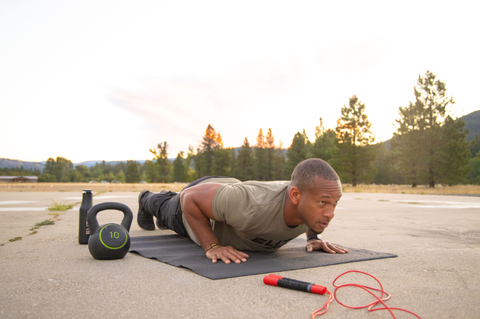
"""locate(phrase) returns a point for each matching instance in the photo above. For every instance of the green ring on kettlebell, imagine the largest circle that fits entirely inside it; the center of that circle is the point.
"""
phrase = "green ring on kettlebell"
(100, 236)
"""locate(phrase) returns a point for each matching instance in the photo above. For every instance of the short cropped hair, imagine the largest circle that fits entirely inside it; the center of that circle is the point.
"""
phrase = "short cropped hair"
(303, 176)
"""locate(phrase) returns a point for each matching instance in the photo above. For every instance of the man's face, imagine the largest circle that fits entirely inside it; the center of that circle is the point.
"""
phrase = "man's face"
(316, 207)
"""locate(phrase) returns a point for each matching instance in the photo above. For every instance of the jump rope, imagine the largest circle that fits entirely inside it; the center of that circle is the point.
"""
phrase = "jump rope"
(276, 280)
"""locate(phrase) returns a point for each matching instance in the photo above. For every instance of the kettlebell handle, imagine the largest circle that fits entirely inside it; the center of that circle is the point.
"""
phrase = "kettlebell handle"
(92, 215)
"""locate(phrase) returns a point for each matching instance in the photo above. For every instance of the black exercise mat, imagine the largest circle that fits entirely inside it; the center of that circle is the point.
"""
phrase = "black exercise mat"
(182, 252)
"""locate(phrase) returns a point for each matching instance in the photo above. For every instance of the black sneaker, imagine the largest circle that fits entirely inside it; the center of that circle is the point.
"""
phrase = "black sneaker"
(144, 219)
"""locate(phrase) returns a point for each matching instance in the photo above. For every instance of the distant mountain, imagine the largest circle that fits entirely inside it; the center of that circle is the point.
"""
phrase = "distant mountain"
(472, 123)
(92, 163)
(12, 163)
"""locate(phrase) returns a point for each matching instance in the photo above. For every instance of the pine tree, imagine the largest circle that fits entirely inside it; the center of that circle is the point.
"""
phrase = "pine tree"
(164, 165)
(221, 161)
(179, 168)
(132, 175)
(455, 152)
(475, 145)
(354, 136)
(384, 167)
(474, 172)
(271, 155)
(260, 154)
(274, 158)
(204, 160)
(297, 152)
(190, 174)
(152, 172)
(244, 164)
(325, 145)
(82, 172)
(233, 161)
(426, 134)
(278, 169)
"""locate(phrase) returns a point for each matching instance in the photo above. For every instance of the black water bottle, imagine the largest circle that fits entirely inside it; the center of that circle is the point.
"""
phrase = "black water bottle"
(83, 230)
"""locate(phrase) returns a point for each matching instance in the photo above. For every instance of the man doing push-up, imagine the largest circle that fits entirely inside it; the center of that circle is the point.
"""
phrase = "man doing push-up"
(226, 216)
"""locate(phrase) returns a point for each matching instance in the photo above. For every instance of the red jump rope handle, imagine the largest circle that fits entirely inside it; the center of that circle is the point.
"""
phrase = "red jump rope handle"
(276, 280)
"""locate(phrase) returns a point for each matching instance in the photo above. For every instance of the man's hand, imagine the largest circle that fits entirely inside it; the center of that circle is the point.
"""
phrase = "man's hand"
(226, 254)
(317, 244)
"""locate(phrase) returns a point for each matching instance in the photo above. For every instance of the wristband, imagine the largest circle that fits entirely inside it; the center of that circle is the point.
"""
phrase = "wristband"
(211, 246)
(313, 236)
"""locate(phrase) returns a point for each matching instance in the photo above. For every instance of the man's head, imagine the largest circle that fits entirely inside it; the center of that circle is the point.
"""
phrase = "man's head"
(315, 189)
(303, 176)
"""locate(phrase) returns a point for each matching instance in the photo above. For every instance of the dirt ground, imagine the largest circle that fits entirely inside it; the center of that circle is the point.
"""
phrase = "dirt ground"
(45, 273)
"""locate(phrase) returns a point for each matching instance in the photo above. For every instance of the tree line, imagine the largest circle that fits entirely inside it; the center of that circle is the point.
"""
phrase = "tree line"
(429, 147)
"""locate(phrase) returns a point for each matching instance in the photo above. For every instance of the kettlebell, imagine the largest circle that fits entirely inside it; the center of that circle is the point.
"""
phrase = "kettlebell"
(109, 241)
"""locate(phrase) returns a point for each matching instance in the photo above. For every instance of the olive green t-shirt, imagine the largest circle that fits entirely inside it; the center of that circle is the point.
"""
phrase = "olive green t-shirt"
(249, 215)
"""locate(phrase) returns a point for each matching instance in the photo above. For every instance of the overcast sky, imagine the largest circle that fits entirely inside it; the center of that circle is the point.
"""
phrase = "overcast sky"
(107, 80)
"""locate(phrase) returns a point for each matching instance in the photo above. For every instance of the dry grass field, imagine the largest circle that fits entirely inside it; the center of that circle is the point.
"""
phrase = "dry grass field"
(96, 187)
(176, 187)
(421, 189)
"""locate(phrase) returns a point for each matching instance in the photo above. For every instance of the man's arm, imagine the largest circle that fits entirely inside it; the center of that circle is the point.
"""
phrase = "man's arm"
(196, 205)
(320, 244)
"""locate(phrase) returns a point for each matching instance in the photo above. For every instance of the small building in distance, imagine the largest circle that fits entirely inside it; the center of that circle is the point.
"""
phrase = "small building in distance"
(18, 179)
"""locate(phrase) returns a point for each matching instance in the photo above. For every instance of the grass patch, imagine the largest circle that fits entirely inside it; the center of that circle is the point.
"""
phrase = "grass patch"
(55, 215)
(414, 203)
(33, 230)
(46, 222)
(383, 200)
(60, 207)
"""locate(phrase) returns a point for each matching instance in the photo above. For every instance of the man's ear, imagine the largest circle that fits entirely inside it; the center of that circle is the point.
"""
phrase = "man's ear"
(295, 195)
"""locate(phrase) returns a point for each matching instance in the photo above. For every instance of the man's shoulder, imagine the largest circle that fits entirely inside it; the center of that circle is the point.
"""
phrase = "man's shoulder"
(252, 183)
(266, 185)
(221, 180)
(256, 191)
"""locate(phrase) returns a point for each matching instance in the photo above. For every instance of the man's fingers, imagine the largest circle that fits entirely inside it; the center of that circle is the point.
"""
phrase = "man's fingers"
(243, 254)
(328, 247)
(313, 246)
(309, 248)
(337, 249)
(227, 255)
(225, 260)
(341, 250)
(325, 246)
